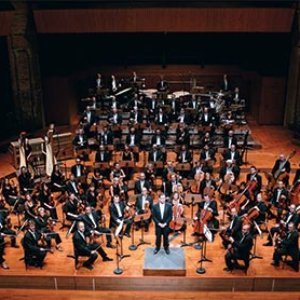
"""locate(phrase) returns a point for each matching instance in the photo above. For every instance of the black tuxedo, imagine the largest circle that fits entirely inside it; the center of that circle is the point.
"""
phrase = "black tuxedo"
(183, 138)
(211, 154)
(204, 183)
(165, 219)
(105, 157)
(139, 116)
(159, 156)
(25, 181)
(235, 171)
(188, 157)
(71, 189)
(77, 167)
(106, 138)
(115, 218)
(227, 140)
(151, 106)
(275, 196)
(137, 139)
(92, 117)
(162, 86)
(258, 179)
(162, 140)
(205, 119)
(138, 188)
(163, 120)
(80, 144)
(236, 156)
(111, 118)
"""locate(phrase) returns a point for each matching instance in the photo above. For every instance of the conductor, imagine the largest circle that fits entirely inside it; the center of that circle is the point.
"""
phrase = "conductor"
(162, 216)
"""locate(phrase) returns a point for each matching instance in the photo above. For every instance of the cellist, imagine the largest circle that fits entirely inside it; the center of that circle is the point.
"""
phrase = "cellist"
(177, 224)
(282, 168)
(254, 181)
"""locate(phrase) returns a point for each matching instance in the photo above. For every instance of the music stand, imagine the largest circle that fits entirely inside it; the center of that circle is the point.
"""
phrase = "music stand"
(192, 199)
(138, 218)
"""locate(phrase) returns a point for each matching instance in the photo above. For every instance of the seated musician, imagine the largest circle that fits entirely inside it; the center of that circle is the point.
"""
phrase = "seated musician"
(57, 180)
(296, 178)
(156, 154)
(199, 169)
(282, 168)
(118, 214)
(117, 172)
(288, 245)
(184, 156)
(35, 253)
(88, 119)
(136, 116)
(230, 169)
(207, 154)
(114, 85)
(229, 140)
(43, 226)
(158, 138)
(236, 96)
(290, 217)
(182, 135)
(205, 118)
(172, 185)
(233, 229)
(175, 107)
(177, 224)
(114, 117)
(207, 183)
(127, 156)
(184, 117)
(91, 196)
(83, 248)
(206, 139)
(194, 103)
(209, 205)
(80, 141)
(133, 138)
(233, 155)
(46, 200)
(150, 173)
(78, 170)
(152, 106)
(141, 183)
(93, 225)
(99, 82)
(105, 136)
(25, 180)
(254, 180)
(162, 85)
(6, 228)
(30, 207)
(134, 102)
(102, 155)
(72, 185)
(3, 263)
(239, 248)
(279, 198)
(143, 202)
(71, 208)
(10, 193)
(161, 118)
(168, 170)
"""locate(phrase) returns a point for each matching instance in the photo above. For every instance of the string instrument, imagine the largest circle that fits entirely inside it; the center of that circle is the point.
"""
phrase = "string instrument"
(251, 187)
(238, 201)
(129, 212)
(252, 214)
(295, 193)
(205, 216)
(210, 191)
(195, 186)
(145, 215)
(177, 219)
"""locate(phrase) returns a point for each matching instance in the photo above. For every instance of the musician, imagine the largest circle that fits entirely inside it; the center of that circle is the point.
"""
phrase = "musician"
(88, 118)
(99, 82)
(118, 212)
(114, 85)
(128, 156)
(80, 141)
(114, 117)
(194, 103)
(25, 150)
(71, 208)
(182, 135)
(105, 136)
(25, 180)
(175, 107)
(184, 156)
(6, 229)
(150, 173)
(168, 170)
(184, 117)
(236, 96)
(102, 155)
(134, 102)
(3, 263)
(229, 140)
(158, 139)
(239, 248)
(143, 201)
(206, 117)
(57, 180)
(31, 244)
(206, 139)
(283, 166)
(199, 169)
(46, 200)
(161, 117)
(78, 170)
(225, 84)
(207, 154)
(41, 224)
(133, 138)
(254, 176)
(170, 186)
(290, 217)
(230, 169)
(117, 172)
(10, 192)
(233, 155)
(155, 154)
(162, 216)
(279, 198)
(162, 85)
(288, 246)
(72, 185)
(136, 116)
(152, 105)
(82, 248)
(142, 183)
(177, 214)
(208, 183)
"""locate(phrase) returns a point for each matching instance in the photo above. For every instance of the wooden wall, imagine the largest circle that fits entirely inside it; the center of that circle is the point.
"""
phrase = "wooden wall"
(5, 22)
(164, 20)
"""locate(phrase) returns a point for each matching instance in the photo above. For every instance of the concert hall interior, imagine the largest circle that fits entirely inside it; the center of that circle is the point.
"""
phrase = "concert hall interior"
(149, 149)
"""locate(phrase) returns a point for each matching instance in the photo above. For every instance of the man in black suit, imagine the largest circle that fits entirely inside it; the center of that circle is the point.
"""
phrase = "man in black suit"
(225, 84)
(207, 182)
(105, 136)
(82, 248)
(161, 118)
(80, 141)
(142, 183)
(114, 117)
(102, 155)
(239, 248)
(184, 117)
(136, 116)
(33, 251)
(162, 216)
(280, 198)
(117, 215)
(182, 136)
(230, 168)
(206, 118)
(184, 156)
(155, 154)
(162, 85)
(207, 154)
(143, 201)
(88, 118)
(92, 222)
(229, 140)
(25, 180)
(158, 139)
(284, 166)
(233, 155)
(72, 185)
(254, 176)
(288, 246)
(78, 169)
(133, 138)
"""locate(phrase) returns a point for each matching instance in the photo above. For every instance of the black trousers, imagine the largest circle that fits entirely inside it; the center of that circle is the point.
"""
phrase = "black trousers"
(232, 256)
(2, 254)
(159, 233)
(94, 256)
(279, 252)
(105, 230)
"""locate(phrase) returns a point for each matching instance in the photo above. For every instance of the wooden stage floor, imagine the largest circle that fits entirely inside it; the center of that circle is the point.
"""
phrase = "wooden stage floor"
(59, 272)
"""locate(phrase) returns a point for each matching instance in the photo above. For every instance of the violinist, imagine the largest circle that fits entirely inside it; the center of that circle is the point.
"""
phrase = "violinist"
(10, 192)
(42, 224)
(150, 173)
(279, 198)
(171, 185)
(71, 208)
(143, 204)
(91, 196)
(282, 169)
(92, 221)
(118, 213)
(57, 180)
(78, 170)
(291, 217)
(239, 248)
(82, 248)
(288, 245)
(254, 181)
(32, 246)
(102, 155)
(158, 138)
(117, 188)
(184, 156)
(73, 186)
(207, 155)
(142, 183)
(233, 155)
(182, 135)
(207, 183)
(230, 170)
(127, 156)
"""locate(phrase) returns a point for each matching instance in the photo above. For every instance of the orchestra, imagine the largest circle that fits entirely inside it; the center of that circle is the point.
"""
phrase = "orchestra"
(150, 154)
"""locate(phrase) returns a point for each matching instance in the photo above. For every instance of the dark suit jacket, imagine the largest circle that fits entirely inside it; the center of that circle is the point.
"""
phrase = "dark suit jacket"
(291, 244)
(167, 217)
(76, 141)
(212, 205)
(159, 156)
(258, 180)
(284, 192)
(297, 176)
(137, 186)
(31, 244)
(162, 140)
(243, 245)
(202, 119)
(114, 217)
(139, 203)
(188, 156)
(108, 141)
(74, 168)
(287, 166)
(93, 117)
(137, 139)
(226, 141)
(106, 157)
(139, 116)
(88, 222)
(237, 156)
(211, 154)
(119, 118)
(80, 245)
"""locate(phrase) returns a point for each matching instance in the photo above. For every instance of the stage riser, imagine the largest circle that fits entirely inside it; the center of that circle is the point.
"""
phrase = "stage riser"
(150, 283)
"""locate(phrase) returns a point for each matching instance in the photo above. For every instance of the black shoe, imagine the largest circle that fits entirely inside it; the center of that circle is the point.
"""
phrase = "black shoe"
(110, 246)
(275, 264)
(155, 251)
(167, 251)
(127, 234)
(227, 270)
(107, 259)
(15, 246)
(89, 267)
(268, 244)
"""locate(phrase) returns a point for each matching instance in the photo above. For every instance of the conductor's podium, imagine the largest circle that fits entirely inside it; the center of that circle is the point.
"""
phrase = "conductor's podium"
(162, 264)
